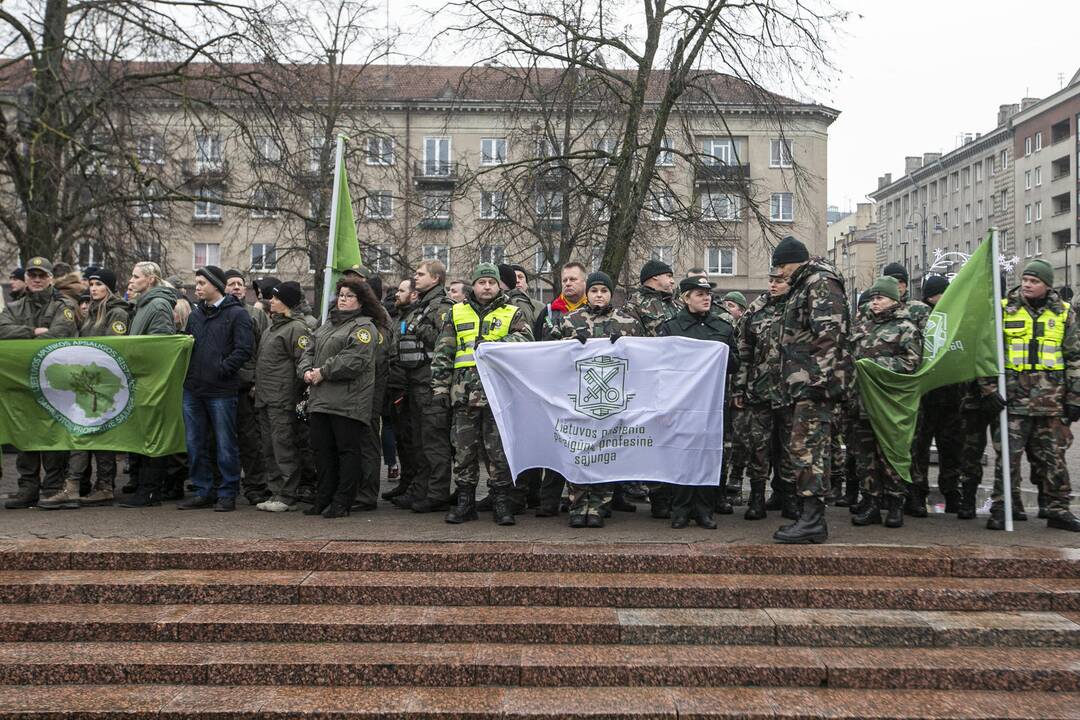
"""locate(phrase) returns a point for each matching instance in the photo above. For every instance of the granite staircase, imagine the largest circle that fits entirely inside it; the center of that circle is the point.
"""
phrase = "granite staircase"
(191, 629)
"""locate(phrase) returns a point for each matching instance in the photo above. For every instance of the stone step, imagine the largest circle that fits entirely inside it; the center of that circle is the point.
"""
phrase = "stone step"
(621, 590)
(706, 558)
(509, 665)
(568, 625)
(151, 702)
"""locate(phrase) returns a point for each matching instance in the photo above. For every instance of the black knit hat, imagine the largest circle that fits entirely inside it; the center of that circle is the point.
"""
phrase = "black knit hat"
(896, 270)
(234, 273)
(507, 276)
(18, 274)
(214, 275)
(654, 268)
(265, 285)
(790, 250)
(105, 276)
(288, 293)
(600, 278)
(934, 285)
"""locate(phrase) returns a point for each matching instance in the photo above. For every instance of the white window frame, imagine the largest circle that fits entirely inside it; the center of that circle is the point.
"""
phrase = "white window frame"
(383, 209)
(382, 258)
(1038, 210)
(150, 149)
(776, 207)
(1038, 176)
(661, 205)
(663, 253)
(436, 205)
(211, 255)
(494, 254)
(436, 252)
(88, 247)
(267, 149)
(438, 156)
(544, 208)
(208, 205)
(780, 153)
(712, 202)
(1027, 146)
(1027, 247)
(601, 210)
(978, 172)
(1027, 179)
(718, 152)
(263, 202)
(547, 148)
(493, 205)
(717, 268)
(1027, 214)
(266, 250)
(666, 156)
(315, 162)
(208, 150)
(967, 212)
(1038, 141)
(541, 261)
(379, 151)
(978, 209)
(605, 149)
(1038, 244)
(150, 209)
(492, 151)
(1004, 159)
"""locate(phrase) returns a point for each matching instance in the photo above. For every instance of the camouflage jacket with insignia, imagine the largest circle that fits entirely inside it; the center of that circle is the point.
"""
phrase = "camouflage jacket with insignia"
(431, 313)
(463, 384)
(919, 312)
(813, 335)
(280, 350)
(344, 350)
(112, 322)
(47, 309)
(890, 338)
(758, 379)
(597, 323)
(1045, 393)
(651, 307)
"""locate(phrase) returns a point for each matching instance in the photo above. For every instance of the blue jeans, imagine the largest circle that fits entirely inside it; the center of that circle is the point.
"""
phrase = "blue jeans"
(218, 416)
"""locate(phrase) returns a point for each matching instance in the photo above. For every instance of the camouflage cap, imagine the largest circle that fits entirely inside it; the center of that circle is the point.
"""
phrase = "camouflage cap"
(40, 263)
(358, 269)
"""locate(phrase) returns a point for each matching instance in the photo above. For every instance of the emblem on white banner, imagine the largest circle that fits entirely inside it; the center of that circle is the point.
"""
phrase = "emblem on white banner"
(601, 387)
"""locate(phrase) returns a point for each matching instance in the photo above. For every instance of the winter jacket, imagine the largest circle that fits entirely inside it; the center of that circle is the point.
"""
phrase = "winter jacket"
(223, 343)
(344, 350)
(114, 321)
(280, 350)
(710, 326)
(154, 312)
(47, 309)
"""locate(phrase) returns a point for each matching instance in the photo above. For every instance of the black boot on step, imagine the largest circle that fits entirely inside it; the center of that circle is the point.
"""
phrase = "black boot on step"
(869, 513)
(465, 509)
(809, 528)
(895, 515)
(755, 507)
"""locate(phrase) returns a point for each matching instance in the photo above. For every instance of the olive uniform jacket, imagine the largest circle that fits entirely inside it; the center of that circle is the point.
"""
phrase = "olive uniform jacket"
(47, 309)
(344, 350)
(281, 349)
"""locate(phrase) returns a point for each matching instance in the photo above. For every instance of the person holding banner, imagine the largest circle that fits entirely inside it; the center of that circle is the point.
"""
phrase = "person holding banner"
(590, 504)
(889, 336)
(485, 316)
(1042, 376)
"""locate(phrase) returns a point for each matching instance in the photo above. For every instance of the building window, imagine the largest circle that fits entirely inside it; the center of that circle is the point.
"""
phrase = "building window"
(1038, 244)
(666, 157)
(87, 254)
(150, 209)
(382, 258)
(719, 206)
(492, 151)
(978, 172)
(1004, 159)
(718, 151)
(601, 209)
(945, 219)
(1027, 146)
(1004, 200)
(1038, 211)
(317, 142)
(205, 254)
(207, 151)
(493, 254)
(781, 207)
(437, 156)
(780, 153)
(661, 204)
(264, 204)
(955, 182)
(605, 151)
(492, 205)
(967, 213)
(1027, 214)
(263, 257)
(379, 205)
(966, 175)
(979, 210)
(1038, 141)
(956, 217)
(720, 260)
(436, 205)
(1038, 176)
(1027, 179)
(542, 260)
(379, 151)
(663, 253)
(150, 150)
(208, 204)
(267, 150)
(548, 148)
(549, 205)
(437, 252)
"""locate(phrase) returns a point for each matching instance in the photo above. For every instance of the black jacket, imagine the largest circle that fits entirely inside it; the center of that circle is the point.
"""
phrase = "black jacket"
(704, 327)
(224, 340)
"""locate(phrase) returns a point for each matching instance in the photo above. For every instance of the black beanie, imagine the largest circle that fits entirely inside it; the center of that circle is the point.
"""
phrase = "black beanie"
(265, 285)
(234, 273)
(18, 274)
(600, 278)
(105, 276)
(896, 270)
(790, 250)
(507, 276)
(652, 269)
(288, 293)
(214, 275)
(934, 285)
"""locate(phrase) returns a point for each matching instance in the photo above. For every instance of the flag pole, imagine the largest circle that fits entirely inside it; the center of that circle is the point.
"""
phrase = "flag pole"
(1003, 417)
(331, 241)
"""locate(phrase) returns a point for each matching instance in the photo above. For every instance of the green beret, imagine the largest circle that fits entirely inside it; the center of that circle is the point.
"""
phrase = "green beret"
(885, 285)
(483, 270)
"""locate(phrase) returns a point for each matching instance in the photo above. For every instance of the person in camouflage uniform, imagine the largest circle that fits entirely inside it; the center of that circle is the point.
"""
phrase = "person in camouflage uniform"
(589, 504)
(815, 372)
(979, 409)
(734, 305)
(919, 311)
(485, 316)
(757, 388)
(652, 303)
(1042, 382)
(888, 336)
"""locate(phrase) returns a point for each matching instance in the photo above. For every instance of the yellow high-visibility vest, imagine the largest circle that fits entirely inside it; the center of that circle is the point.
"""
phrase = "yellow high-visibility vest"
(1034, 343)
(467, 325)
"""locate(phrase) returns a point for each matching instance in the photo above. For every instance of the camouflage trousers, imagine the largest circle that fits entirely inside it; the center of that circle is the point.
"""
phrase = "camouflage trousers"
(591, 499)
(876, 475)
(735, 450)
(806, 436)
(474, 430)
(755, 427)
(943, 425)
(1045, 439)
(974, 424)
(838, 456)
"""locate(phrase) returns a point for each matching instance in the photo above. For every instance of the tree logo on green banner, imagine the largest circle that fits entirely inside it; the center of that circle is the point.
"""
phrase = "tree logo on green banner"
(935, 335)
(85, 386)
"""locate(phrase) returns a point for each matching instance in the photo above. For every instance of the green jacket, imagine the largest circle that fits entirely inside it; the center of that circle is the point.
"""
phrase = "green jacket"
(281, 349)
(114, 321)
(154, 312)
(47, 309)
(758, 379)
(425, 321)
(652, 307)
(531, 308)
(344, 349)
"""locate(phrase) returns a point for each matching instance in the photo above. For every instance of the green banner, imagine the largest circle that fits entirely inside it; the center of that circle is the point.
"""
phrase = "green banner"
(346, 244)
(101, 393)
(958, 346)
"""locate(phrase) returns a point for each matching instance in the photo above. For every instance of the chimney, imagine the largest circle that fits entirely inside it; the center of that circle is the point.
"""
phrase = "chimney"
(912, 163)
(968, 138)
(1027, 102)
(930, 158)
(1005, 112)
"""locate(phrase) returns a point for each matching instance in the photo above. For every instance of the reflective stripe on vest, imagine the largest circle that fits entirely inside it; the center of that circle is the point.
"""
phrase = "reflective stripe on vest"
(1034, 344)
(468, 326)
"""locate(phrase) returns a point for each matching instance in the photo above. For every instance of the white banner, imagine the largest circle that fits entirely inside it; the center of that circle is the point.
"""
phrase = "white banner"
(641, 409)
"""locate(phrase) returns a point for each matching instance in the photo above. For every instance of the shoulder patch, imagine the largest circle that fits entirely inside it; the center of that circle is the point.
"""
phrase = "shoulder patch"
(119, 327)
(363, 335)
(442, 318)
(302, 342)
(69, 313)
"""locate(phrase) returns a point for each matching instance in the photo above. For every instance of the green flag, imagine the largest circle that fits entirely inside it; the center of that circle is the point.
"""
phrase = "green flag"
(958, 345)
(346, 246)
(102, 393)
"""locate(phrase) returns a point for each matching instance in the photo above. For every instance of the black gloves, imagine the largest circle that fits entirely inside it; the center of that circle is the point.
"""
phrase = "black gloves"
(615, 335)
(1072, 413)
(582, 335)
(993, 403)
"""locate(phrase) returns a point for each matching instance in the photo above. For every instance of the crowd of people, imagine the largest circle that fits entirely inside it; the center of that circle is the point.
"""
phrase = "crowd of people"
(297, 415)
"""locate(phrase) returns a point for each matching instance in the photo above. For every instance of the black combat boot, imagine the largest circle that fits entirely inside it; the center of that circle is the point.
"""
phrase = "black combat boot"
(776, 499)
(620, 503)
(869, 512)
(894, 518)
(997, 517)
(755, 507)
(1062, 520)
(851, 494)
(702, 515)
(465, 510)
(486, 504)
(914, 503)
(1043, 515)
(790, 508)
(809, 528)
(1018, 512)
(952, 502)
(679, 520)
(966, 509)
(723, 503)
(502, 509)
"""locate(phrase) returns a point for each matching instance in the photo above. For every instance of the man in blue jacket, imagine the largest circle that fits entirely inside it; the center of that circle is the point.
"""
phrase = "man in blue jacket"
(224, 340)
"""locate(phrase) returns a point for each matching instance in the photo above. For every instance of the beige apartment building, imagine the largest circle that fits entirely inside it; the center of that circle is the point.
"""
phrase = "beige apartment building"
(852, 249)
(440, 167)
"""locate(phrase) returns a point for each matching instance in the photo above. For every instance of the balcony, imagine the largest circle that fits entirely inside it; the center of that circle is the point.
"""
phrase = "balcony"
(719, 174)
(435, 224)
(205, 171)
(1061, 204)
(435, 173)
(1060, 168)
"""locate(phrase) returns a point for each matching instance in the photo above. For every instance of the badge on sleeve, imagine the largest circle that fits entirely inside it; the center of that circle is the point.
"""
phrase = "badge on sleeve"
(69, 314)
(302, 342)
(119, 328)
(363, 336)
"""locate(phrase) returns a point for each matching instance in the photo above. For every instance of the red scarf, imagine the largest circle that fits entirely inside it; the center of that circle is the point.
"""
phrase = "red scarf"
(563, 305)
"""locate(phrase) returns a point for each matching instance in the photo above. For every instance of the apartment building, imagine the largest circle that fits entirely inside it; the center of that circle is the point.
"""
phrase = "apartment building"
(852, 249)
